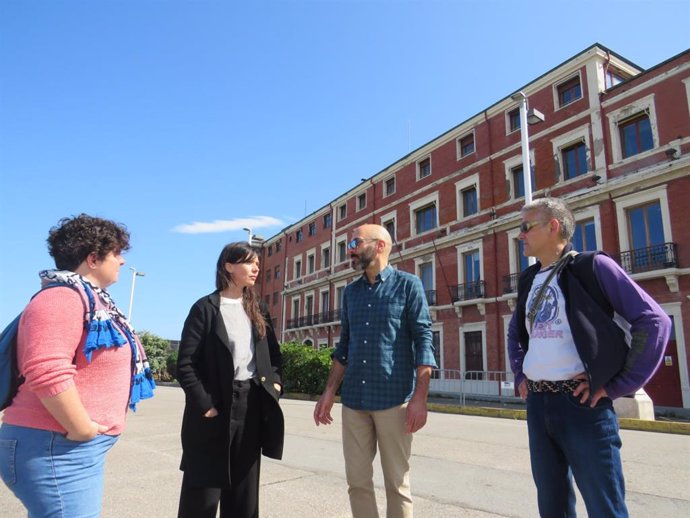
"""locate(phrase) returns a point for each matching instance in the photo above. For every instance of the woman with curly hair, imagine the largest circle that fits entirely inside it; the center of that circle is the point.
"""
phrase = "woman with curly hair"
(229, 365)
(82, 365)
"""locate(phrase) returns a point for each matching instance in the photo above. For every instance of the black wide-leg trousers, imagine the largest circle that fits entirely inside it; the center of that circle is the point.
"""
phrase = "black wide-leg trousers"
(241, 498)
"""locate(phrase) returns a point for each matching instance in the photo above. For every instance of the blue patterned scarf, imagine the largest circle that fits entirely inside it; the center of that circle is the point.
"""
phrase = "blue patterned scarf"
(107, 327)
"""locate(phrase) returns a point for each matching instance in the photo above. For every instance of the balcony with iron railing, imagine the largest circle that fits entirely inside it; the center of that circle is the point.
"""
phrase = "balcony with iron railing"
(510, 283)
(325, 317)
(657, 257)
(430, 297)
(467, 291)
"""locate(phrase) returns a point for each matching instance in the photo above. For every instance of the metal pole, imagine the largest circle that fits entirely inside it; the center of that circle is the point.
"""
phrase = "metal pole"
(526, 162)
(135, 274)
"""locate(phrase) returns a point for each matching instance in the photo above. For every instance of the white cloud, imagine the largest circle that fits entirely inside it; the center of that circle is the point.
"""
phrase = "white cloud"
(226, 225)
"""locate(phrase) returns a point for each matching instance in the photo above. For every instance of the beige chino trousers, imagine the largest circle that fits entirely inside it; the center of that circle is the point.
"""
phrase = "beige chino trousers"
(363, 431)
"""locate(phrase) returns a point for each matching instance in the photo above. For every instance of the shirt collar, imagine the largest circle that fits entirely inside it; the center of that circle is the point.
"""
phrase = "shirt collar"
(381, 276)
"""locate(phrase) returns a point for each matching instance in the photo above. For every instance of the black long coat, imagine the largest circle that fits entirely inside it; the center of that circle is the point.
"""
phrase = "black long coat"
(205, 371)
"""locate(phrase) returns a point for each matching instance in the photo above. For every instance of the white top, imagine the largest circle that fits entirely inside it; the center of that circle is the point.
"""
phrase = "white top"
(239, 329)
(552, 355)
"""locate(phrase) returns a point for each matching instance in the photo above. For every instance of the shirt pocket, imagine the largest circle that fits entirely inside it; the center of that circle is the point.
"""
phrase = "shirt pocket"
(395, 311)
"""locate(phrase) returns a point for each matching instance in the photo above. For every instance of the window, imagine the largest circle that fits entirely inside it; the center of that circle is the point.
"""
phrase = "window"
(614, 77)
(389, 186)
(574, 159)
(276, 273)
(325, 257)
(298, 235)
(275, 298)
(325, 296)
(569, 91)
(466, 145)
(361, 201)
(635, 135)
(522, 261)
(425, 271)
(519, 181)
(268, 275)
(298, 268)
(342, 252)
(309, 305)
(514, 120)
(647, 239)
(471, 265)
(270, 251)
(278, 245)
(390, 227)
(312, 228)
(295, 308)
(423, 168)
(311, 263)
(425, 218)
(584, 237)
(327, 220)
(342, 212)
(339, 295)
(469, 201)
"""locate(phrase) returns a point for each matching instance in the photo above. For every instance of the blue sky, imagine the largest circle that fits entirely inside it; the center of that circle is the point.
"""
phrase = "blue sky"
(161, 114)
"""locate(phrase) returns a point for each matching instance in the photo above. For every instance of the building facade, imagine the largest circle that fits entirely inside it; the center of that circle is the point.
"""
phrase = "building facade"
(615, 144)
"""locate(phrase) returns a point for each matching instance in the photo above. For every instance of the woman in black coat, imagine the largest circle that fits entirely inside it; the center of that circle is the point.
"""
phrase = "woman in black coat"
(229, 366)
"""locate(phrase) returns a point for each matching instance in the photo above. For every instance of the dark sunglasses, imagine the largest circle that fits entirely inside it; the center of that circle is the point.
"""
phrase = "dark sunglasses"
(354, 244)
(526, 226)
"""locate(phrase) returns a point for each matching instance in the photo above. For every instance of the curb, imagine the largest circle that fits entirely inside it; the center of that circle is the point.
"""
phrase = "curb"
(642, 425)
(672, 427)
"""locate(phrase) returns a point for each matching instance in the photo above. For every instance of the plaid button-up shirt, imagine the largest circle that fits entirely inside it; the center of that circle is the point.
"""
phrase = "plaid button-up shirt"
(385, 336)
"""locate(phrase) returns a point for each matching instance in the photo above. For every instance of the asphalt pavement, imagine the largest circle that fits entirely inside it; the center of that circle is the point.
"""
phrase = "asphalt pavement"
(464, 466)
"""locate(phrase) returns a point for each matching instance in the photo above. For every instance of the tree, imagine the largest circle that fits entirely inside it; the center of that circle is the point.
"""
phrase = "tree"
(157, 350)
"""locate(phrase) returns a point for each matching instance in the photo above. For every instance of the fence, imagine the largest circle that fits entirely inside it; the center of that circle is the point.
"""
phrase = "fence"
(495, 384)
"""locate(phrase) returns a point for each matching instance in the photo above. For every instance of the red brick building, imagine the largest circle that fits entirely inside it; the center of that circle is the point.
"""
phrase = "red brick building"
(615, 144)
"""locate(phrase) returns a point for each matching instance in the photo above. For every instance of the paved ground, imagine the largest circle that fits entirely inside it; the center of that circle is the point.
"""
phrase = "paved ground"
(462, 467)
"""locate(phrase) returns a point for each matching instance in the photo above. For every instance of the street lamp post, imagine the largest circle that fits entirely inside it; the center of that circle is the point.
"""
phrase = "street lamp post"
(527, 117)
(135, 274)
(249, 235)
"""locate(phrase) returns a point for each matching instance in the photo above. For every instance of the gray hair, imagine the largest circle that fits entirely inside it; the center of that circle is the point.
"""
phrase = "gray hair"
(554, 208)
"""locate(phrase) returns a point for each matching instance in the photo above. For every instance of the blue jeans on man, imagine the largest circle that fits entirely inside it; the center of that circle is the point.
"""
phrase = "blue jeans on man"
(568, 439)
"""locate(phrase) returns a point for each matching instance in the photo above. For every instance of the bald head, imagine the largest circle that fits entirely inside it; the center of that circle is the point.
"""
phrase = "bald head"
(370, 231)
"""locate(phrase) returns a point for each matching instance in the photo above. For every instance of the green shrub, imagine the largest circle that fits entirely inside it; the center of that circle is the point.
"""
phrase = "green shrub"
(305, 369)
(171, 364)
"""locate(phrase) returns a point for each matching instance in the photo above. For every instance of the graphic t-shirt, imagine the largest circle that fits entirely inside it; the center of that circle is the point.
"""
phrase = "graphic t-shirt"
(552, 354)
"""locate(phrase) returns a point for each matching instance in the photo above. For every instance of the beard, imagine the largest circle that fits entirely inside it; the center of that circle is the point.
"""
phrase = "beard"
(362, 260)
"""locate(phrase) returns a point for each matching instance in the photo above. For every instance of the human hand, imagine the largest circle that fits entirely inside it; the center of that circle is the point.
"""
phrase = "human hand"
(322, 410)
(583, 390)
(93, 431)
(211, 412)
(416, 415)
(522, 389)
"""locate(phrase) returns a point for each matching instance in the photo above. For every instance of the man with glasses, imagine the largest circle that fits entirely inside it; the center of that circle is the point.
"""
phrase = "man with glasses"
(384, 361)
(570, 360)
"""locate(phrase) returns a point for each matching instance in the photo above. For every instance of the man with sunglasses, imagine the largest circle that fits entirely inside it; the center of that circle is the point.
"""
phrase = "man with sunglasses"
(570, 360)
(384, 360)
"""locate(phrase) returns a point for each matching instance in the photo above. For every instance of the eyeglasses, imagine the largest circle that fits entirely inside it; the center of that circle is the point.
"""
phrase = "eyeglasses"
(354, 244)
(526, 226)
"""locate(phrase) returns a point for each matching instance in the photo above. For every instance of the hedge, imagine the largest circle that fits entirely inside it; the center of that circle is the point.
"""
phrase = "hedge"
(305, 369)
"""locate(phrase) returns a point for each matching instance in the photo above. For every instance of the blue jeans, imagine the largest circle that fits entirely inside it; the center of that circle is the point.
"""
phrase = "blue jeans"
(52, 476)
(569, 439)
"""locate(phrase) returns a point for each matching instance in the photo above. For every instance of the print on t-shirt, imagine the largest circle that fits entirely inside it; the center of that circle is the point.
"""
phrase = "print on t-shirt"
(547, 315)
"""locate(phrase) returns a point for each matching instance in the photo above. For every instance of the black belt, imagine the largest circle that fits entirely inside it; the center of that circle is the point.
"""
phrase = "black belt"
(552, 386)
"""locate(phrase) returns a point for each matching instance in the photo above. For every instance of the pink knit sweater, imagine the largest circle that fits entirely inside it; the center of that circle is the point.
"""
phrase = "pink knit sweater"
(49, 355)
